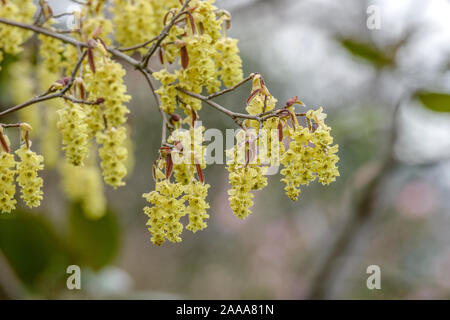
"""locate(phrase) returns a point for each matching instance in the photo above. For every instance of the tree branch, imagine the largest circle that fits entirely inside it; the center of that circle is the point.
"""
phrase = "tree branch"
(231, 114)
(70, 40)
(219, 93)
(138, 46)
(158, 102)
(46, 96)
(363, 211)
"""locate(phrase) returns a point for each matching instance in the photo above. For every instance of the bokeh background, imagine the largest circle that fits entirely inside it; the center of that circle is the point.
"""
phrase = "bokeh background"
(386, 93)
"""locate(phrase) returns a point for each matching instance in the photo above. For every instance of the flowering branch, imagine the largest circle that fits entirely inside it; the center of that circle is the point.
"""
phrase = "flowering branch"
(60, 94)
(69, 40)
(236, 115)
(164, 33)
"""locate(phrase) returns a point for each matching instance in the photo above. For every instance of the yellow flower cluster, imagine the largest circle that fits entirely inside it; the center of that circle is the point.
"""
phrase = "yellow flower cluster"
(134, 22)
(195, 195)
(202, 68)
(205, 16)
(7, 184)
(106, 121)
(51, 51)
(245, 175)
(106, 83)
(310, 156)
(11, 38)
(166, 212)
(262, 99)
(94, 18)
(190, 152)
(309, 153)
(228, 60)
(160, 9)
(74, 131)
(27, 176)
(168, 207)
(244, 180)
(167, 91)
(186, 196)
(206, 55)
(113, 155)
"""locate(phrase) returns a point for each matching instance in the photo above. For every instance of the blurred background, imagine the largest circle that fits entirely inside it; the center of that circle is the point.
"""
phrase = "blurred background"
(387, 96)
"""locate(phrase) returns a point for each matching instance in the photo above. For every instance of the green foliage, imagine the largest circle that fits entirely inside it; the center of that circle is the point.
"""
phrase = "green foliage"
(368, 52)
(95, 242)
(39, 255)
(30, 246)
(435, 101)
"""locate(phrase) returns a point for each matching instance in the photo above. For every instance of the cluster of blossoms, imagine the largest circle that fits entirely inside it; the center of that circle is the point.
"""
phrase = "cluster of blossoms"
(186, 196)
(88, 115)
(11, 38)
(311, 155)
(76, 124)
(26, 168)
(207, 57)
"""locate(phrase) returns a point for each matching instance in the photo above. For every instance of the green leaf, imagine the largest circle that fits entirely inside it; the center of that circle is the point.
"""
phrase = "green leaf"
(435, 101)
(31, 247)
(95, 242)
(367, 52)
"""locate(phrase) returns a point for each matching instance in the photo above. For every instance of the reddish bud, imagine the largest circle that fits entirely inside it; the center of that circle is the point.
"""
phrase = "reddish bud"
(3, 142)
(97, 32)
(252, 95)
(169, 166)
(194, 116)
(280, 131)
(174, 118)
(291, 101)
(91, 59)
(64, 81)
(99, 100)
(191, 20)
(161, 55)
(184, 57)
(200, 175)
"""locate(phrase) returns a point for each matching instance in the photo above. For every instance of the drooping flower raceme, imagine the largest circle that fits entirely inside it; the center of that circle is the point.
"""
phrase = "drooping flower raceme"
(113, 155)
(166, 212)
(7, 183)
(11, 38)
(27, 176)
(74, 130)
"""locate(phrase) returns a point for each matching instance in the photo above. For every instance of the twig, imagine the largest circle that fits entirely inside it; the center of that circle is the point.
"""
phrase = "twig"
(47, 96)
(10, 125)
(164, 33)
(219, 93)
(363, 211)
(231, 114)
(158, 102)
(70, 40)
(80, 101)
(56, 16)
(141, 45)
